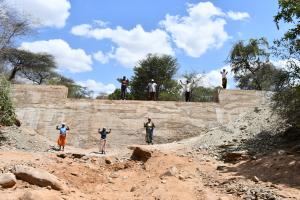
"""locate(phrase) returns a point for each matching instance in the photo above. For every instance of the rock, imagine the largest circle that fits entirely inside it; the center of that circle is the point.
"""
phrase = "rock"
(255, 179)
(141, 154)
(181, 177)
(108, 161)
(62, 155)
(281, 152)
(163, 181)
(114, 175)
(7, 180)
(77, 155)
(134, 188)
(171, 171)
(37, 195)
(221, 167)
(234, 156)
(38, 177)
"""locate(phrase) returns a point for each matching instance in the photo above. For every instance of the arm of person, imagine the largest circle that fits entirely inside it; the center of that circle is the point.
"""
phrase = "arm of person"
(108, 132)
(57, 128)
(68, 128)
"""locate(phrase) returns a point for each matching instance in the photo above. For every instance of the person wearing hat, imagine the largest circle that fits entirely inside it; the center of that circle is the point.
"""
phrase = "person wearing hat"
(187, 89)
(152, 86)
(149, 125)
(62, 139)
(103, 133)
(224, 78)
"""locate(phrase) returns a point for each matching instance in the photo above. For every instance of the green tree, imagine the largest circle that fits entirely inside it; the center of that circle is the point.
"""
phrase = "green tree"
(7, 111)
(248, 59)
(26, 62)
(287, 98)
(116, 95)
(161, 68)
(289, 12)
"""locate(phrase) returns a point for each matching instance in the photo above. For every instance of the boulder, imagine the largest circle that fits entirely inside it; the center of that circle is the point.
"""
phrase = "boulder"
(7, 180)
(37, 177)
(172, 171)
(234, 156)
(141, 154)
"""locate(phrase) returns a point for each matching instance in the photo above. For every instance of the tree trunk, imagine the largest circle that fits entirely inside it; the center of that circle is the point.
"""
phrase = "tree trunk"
(13, 73)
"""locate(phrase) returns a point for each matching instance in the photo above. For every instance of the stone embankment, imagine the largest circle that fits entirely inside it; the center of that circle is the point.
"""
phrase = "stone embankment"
(43, 107)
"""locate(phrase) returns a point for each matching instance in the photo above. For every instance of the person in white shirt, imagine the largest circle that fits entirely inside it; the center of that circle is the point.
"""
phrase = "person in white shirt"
(187, 89)
(152, 87)
(224, 78)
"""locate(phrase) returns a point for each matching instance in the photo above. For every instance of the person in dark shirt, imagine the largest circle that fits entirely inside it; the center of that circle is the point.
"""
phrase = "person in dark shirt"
(103, 133)
(124, 84)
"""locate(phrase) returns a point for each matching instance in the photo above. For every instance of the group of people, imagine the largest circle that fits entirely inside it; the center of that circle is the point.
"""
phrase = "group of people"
(63, 130)
(149, 125)
(152, 87)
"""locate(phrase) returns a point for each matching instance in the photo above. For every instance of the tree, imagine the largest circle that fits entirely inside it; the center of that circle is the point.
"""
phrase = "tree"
(7, 110)
(289, 12)
(116, 95)
(287, 97)
(30, 64)
(12, 26)
(161, 68)
(248, 59)
(267, 75)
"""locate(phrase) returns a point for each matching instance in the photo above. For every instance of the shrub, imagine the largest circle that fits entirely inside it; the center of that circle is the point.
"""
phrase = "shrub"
(7, 110)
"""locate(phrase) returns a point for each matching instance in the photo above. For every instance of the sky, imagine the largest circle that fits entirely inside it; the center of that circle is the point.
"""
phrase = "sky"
(95, 42)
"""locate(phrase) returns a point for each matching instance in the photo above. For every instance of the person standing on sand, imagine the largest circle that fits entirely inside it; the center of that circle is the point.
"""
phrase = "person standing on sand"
(62, 139)
(187, 89)
(152, 90)
(224, 78)
(103, 133)
(124, 84)
(149, 131)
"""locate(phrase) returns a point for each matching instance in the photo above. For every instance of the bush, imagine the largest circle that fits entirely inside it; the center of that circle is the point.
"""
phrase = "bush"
(7, 110)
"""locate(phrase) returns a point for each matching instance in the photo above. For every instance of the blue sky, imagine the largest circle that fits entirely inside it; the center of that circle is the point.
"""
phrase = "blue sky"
(96, 41)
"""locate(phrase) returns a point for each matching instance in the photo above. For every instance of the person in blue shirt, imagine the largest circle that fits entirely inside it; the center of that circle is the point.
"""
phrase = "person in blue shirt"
(62, 139)
(103, 133)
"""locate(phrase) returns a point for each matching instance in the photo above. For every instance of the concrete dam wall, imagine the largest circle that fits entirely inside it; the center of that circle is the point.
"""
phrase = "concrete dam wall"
(44, 107)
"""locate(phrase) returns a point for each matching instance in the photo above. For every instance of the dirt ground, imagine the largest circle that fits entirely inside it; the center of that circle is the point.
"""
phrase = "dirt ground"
(177, 174)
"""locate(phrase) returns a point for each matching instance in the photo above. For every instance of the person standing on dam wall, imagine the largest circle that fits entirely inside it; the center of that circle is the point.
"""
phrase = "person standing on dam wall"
(224, 78)
(152, 87)
(103, 134)
(187, 89)
(62, 139)
(149, 125)
(124, 84)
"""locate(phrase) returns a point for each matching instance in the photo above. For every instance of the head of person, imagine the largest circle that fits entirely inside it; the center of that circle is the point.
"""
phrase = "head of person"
(124, 77)
(187, 81)
(152, 80)
(224, 70)
(63, 125)
(104, 129)
(149, 119)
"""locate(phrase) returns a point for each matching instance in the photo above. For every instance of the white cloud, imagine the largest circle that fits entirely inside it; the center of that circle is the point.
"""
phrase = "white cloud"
(238, 15)
(97, 87)
(131, 45)
(52, 13)
(101, 57)
(214, 78)
(74, 60)
(284, 64)
(201, 30)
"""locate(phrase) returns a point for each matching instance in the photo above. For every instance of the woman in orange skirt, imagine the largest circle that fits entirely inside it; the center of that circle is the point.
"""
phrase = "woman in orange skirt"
(62, 136)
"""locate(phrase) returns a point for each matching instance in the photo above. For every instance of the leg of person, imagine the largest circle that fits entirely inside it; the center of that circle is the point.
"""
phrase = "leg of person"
(154, 96)
(147, 137)
(189, 96)
(104, 145)
(186, 97)
(225, 83)
(151, 136)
